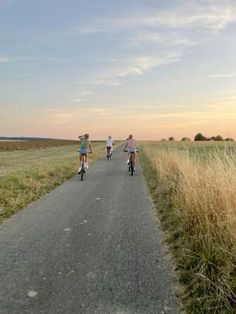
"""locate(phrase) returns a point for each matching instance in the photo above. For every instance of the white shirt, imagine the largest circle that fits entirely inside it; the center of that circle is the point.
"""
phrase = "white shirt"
(109, 142)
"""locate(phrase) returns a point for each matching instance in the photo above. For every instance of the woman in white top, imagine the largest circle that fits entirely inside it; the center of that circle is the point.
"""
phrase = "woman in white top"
(109, 143)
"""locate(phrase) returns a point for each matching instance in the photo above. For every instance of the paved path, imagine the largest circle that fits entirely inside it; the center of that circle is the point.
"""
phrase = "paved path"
(87, 247)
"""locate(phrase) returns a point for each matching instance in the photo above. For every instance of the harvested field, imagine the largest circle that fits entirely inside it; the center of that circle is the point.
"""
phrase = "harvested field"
(31, 144)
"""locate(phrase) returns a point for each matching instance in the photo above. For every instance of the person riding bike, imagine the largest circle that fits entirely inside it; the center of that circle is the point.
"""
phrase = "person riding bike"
(109, 143)
(83, 150)
(131, 148)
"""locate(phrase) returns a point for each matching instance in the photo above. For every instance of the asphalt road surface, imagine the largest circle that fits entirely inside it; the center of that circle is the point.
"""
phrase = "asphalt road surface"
(87, 247)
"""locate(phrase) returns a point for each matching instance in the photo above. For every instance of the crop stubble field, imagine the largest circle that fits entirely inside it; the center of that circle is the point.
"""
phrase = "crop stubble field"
(11, 145)
(30, 169)
(194, 188)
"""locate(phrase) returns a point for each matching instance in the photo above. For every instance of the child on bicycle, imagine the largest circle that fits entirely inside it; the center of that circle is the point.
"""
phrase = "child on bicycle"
(83, 150)
(131, 148)
(109, 143)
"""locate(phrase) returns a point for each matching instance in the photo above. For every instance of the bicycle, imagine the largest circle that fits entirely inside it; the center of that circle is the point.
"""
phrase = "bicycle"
(109, 153)
(82, 171)
(131, 163)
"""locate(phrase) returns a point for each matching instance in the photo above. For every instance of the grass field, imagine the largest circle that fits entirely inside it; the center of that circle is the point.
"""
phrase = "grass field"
(194, 188)
(25, 175)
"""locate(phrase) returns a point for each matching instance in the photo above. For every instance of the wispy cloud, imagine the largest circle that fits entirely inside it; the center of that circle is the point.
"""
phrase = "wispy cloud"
(58, 116)
(167, 31)
(32, 59)
(82, 95)
(4, 59)
(213, 15)
(153, 116)
(71, 115)
(167, 39)
(137, 65)
(178, 125)
(221, 75)
(115, 72)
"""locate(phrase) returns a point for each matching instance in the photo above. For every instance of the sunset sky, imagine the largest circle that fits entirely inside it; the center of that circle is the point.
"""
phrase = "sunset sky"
(153, 68)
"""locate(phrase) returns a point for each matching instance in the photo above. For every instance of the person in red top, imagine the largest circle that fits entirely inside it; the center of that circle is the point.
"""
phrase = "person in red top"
(131, 148)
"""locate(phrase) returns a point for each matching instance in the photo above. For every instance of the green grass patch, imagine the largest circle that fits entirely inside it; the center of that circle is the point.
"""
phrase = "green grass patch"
(27, 175)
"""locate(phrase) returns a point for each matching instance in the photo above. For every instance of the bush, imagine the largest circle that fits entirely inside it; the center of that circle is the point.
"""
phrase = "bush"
(200, 137)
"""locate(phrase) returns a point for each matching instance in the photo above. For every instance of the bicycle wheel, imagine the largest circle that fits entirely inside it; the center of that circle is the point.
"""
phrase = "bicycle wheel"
(82, 173)
(131, 167)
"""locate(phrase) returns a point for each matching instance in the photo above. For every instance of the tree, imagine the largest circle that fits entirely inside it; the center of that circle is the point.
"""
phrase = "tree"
(186, 139)
(200, 137)
(229, 139)
(171, 138)
(219, 138)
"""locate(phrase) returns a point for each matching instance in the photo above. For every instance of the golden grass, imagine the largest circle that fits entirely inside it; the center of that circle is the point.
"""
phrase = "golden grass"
(195, 190)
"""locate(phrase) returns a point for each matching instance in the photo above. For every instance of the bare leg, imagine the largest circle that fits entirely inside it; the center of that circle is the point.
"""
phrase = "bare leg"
(133, 158)
(78, 161)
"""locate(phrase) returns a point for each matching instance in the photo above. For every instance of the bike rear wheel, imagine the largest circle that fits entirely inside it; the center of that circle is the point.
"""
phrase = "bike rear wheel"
(82, 173)
(131, 165)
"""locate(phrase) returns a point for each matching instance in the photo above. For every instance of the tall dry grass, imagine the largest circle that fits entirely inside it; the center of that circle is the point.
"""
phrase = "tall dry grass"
(199, 196)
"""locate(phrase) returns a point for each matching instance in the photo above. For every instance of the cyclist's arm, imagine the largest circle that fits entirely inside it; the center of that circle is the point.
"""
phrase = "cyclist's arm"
(90, 148)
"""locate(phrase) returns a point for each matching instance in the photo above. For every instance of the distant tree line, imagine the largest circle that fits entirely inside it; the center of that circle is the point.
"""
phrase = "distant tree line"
(201, 137)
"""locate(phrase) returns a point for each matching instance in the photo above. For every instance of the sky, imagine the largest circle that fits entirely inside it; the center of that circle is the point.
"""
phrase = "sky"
(151, 68)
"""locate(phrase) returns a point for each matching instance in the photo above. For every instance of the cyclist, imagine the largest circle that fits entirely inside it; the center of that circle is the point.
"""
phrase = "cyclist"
(131, 148)
(109, 143)
(83, 150)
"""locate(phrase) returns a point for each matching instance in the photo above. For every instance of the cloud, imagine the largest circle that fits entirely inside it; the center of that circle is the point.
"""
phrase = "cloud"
(169, 39)
(74, 30)
(212, 15)
(176, 125)
(153, 37)
(58, 116)
(153, 116)
(31, 58)
(82, 95)
(168, 31)
(141, 64)
(73, 115)
(221, 75)
(113, 74)
(4, 59)
(107, 82)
